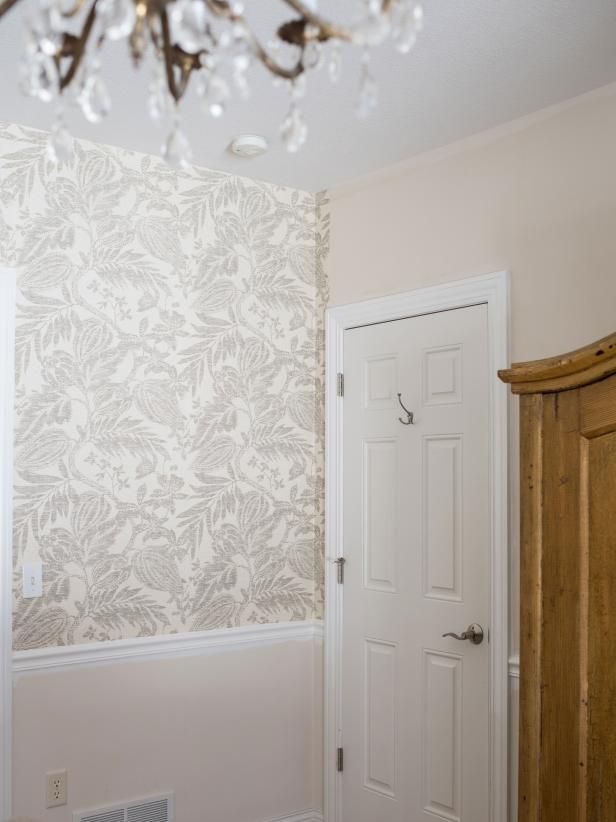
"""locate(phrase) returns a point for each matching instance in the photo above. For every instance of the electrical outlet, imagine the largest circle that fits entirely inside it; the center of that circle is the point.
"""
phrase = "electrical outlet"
(57, 793)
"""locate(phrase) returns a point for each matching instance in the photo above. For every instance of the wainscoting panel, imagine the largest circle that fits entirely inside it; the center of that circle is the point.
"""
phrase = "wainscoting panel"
(233, 729)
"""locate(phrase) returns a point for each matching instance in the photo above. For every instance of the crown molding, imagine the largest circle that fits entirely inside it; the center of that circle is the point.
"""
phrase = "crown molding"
(474, 141)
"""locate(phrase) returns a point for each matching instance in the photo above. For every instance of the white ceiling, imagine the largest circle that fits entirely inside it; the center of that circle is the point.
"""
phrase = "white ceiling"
(479, 63)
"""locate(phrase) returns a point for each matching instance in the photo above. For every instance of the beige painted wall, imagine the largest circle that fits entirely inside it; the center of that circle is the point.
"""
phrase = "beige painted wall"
(234, 734)
(537, 198)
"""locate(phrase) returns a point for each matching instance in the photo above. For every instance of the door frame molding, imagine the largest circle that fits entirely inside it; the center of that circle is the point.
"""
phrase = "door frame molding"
(7, 388)
(493, 291)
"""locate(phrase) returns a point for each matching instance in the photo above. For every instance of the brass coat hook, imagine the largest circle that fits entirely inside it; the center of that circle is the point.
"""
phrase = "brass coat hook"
(409, 414)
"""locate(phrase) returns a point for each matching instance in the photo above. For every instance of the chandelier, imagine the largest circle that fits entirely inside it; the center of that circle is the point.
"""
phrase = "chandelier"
(209, 42)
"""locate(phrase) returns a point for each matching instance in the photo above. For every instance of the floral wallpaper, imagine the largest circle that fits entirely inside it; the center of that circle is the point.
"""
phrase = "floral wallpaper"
(169, 426)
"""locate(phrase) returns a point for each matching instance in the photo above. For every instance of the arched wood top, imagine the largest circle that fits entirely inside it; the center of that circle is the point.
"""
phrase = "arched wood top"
(572, 370)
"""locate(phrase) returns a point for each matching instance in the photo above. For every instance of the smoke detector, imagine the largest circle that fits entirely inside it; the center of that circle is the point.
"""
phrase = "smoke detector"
(248, 145)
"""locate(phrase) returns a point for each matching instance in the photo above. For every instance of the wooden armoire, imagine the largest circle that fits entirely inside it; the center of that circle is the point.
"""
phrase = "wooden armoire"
(567, 728)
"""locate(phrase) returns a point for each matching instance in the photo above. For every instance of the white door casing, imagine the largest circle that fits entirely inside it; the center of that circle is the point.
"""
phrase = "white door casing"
(443, 592)
(7, 370)
(415, 713)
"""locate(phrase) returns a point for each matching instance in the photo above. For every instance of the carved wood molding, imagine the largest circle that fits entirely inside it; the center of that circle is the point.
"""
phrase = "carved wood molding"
(572, 370)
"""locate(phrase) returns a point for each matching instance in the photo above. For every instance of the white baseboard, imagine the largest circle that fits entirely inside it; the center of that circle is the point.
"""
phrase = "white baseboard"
(167, 646)
(514, 666)
(305, 816)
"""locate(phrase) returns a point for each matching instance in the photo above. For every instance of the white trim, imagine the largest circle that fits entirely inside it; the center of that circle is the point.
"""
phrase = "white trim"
(196, 643)
(304, 816)
(493, 290)
(7, 375)
(514, 666)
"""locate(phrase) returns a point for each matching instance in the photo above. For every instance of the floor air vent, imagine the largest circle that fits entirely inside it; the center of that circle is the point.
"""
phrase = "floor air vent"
(151, 809)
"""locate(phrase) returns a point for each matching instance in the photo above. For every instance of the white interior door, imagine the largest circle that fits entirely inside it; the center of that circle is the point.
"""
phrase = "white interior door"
(416, 509)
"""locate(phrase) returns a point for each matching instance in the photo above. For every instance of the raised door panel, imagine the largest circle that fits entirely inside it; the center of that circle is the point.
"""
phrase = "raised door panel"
(442, 734)
(380, 664)
(442, 375)
(442, 517)
(380, 381)
(380, 479)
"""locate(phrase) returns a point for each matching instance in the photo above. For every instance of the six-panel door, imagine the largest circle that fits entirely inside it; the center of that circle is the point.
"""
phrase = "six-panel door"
(416, 541)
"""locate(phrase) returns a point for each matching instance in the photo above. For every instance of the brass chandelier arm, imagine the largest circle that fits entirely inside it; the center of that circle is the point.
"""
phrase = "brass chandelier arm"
(272, 66)
(327, 29)
(185, 62)
(75, 48)
(5, 5)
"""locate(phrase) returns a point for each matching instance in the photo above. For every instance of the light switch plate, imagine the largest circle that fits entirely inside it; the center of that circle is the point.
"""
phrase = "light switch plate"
(32, 580)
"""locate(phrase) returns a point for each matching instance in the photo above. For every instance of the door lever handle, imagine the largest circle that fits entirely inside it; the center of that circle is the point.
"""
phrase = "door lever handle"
(474, 633)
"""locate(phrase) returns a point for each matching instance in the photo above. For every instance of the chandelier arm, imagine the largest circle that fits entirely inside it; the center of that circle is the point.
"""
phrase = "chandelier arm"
(327, 29)
(77, 48)
(175, 90)
(5, 5)
(272, 66)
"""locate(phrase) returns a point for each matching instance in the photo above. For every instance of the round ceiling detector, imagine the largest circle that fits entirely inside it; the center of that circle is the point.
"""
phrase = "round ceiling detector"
(248, 145)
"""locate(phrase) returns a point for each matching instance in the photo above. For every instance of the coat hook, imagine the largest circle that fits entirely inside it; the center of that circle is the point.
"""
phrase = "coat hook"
(409, 414)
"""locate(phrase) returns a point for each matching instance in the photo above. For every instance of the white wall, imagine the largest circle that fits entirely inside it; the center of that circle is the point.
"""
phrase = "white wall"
(234, 734)
(537, 198)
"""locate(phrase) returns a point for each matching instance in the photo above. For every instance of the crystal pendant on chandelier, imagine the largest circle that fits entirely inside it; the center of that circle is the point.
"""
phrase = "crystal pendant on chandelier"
(118, 17)
(312, 55)
(189, 24)
(176, 148)
(294, 130)
(374, 28)
(368, 89)
(241, 64)
(45, 27)
(60, 144)
(94, 98)
(214, 92)
(159, 99)
(409, 25)
(40, 77)
(334, 64)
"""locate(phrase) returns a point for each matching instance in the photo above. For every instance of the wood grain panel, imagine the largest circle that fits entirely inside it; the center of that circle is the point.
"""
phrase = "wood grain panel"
(601, 796)
(598, 408)
(560, 608)
(531, 436)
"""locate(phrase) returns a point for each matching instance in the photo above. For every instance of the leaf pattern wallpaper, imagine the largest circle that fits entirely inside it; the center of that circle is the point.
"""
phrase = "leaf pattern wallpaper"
(169, 398)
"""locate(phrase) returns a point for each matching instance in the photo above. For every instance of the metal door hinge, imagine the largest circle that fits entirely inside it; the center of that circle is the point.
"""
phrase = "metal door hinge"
(339, 760)
(340, 569)
(340, 384)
